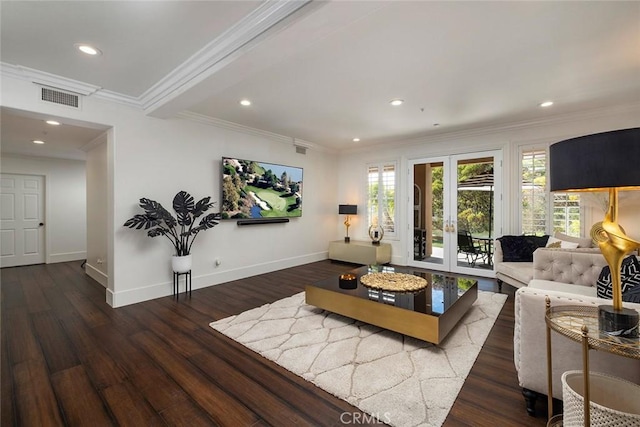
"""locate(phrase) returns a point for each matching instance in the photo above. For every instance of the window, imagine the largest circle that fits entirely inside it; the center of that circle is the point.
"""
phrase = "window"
(542, 212)
(534, 192)
(381, 203)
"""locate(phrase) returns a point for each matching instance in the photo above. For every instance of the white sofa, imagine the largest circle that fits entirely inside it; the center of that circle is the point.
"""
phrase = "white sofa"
(551, 264)
(530, 330)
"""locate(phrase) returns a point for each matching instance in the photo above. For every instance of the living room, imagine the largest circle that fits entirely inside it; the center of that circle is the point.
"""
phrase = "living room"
(153, 146)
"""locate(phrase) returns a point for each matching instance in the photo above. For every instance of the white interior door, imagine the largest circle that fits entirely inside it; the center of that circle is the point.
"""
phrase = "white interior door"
(455, 212)
(21, 220)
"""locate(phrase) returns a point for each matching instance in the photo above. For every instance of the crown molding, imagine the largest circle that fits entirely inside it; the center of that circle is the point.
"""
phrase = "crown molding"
(47, 79)
(224, 124)
(207, 61)
(58, 82)
(119, 98)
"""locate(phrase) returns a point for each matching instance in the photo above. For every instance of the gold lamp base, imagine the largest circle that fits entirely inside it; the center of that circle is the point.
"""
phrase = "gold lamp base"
(615, 245)
(618, 323)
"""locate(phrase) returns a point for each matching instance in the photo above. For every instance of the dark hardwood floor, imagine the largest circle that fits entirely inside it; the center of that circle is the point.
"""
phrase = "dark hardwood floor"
(70, 359)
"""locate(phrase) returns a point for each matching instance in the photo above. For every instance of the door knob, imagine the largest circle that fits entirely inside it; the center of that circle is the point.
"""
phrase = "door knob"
(41, 224)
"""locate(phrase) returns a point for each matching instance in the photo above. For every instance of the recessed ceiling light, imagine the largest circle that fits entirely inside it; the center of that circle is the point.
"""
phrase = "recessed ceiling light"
(53, 123)
(37, 141)
(245, 102)
(396, 102)
(89, 50)
(356, 139)
(547, 104)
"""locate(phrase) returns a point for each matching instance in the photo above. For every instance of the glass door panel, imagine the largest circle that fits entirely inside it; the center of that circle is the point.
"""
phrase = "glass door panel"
(475, 213)
(428, 224)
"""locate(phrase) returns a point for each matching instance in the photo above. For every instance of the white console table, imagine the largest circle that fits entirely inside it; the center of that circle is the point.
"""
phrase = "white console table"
(360, 252)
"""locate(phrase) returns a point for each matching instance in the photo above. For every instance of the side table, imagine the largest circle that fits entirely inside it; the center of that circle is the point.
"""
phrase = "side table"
(176, 283)
(580, 324)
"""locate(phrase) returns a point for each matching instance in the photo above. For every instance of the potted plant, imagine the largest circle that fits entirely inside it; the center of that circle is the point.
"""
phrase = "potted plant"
(181, 230)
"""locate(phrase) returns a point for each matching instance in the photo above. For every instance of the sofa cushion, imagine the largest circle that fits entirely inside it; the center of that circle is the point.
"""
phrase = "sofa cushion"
(520, 248)
(554, 242)
(629, 277)
(520, 271)
(583, 242)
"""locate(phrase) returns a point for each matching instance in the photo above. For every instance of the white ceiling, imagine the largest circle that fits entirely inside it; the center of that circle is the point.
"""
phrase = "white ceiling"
(326, 72)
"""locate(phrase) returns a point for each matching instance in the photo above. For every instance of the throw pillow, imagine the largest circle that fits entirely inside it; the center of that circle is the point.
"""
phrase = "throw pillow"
(629, 278)
(520, 248)
(583, 242)
(559, 243)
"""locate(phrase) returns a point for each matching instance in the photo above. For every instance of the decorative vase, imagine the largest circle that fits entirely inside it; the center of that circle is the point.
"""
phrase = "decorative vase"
(181, 264)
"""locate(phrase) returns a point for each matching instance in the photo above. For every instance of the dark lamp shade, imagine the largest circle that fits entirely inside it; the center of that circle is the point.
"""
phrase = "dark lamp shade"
(596, 162)
(348, 209)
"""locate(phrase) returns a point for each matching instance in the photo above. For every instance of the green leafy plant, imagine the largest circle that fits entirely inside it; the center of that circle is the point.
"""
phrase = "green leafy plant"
(181, 230)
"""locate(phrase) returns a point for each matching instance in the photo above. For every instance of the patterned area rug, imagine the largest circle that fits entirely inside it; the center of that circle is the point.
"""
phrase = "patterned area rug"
(400, 380)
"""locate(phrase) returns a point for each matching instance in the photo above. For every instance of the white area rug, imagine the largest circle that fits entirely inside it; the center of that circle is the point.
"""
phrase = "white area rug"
(401, 380)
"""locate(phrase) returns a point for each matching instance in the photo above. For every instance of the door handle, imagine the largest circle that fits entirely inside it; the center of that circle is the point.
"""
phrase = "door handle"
(41, 224)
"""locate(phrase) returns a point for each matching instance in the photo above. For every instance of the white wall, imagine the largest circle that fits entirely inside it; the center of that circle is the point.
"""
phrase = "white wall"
(97, 211)
(157, 158)
(352, 170)
(65, 203)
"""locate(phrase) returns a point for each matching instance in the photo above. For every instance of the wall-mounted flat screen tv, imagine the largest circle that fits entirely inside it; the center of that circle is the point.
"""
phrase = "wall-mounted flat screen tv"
(256, 190)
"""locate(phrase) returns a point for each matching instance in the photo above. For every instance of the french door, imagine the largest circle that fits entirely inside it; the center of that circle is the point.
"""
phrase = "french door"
(455, 210)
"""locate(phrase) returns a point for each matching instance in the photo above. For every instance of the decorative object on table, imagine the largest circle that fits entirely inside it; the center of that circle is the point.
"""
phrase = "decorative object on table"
(394, 282)
(348, 281)
(599, 162)
(181, 230)
(376, 233)
(347, 210)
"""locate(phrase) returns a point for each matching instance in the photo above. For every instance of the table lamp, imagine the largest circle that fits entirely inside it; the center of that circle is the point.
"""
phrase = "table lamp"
(347, 210)
(599, 162)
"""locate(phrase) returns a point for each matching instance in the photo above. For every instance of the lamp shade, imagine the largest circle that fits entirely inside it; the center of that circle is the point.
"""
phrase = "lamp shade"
(348, 209)
(596, 162)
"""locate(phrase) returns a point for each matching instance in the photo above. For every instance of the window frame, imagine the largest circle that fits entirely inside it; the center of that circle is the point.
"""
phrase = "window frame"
(380, 198)
(550, 205)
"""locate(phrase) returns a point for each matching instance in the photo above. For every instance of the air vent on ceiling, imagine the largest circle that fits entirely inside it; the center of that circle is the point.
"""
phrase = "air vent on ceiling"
(59, 97)
(301, 150)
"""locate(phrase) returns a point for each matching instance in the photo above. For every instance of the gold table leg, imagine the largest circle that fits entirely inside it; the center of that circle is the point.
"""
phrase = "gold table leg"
(585, 375)
(549, 366)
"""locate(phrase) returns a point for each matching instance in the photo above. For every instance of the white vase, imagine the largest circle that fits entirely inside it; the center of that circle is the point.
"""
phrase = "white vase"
(181, 264)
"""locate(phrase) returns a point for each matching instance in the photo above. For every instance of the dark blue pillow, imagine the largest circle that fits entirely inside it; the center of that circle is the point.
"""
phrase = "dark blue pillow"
(629, 278)
(521, 248)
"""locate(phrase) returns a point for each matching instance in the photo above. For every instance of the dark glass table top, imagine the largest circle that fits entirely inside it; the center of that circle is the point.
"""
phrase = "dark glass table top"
(440, 294)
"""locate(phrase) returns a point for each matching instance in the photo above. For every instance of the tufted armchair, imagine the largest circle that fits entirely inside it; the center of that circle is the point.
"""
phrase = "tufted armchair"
(568, 277)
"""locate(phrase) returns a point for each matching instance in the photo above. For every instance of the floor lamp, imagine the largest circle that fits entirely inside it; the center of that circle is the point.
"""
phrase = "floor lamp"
(605, 161)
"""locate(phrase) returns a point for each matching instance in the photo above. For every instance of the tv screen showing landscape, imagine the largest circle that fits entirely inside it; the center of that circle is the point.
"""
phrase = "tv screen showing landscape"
(253, 189)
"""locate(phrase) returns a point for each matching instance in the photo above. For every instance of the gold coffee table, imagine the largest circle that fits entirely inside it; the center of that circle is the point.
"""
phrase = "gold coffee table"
(428, 314)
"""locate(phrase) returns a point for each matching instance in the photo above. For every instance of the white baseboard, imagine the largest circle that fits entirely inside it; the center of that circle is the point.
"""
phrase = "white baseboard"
(133, 296)
(96, 274)
(66, 257)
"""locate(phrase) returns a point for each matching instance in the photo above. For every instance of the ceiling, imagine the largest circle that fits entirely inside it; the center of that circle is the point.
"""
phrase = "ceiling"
(325, 72)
